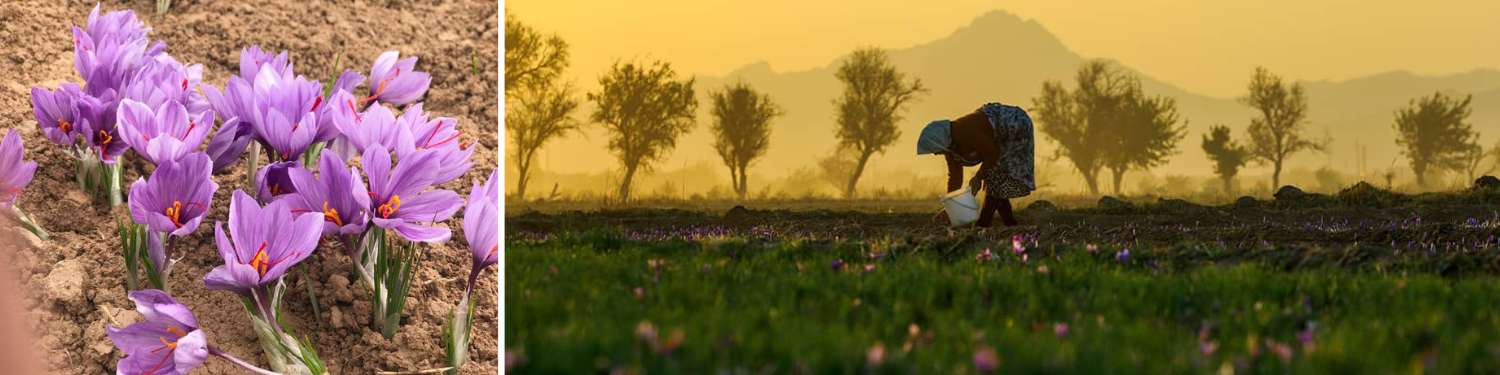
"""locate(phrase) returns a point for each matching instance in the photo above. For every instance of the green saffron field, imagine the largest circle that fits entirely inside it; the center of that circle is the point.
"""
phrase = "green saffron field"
(591, 294)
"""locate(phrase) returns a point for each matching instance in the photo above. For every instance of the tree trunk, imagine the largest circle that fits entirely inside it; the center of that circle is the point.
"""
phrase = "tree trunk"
(734, 178)
(1119, 175)
(625, 183)
(744, 184)
(1421, 174)
(859, 169)
(524, 167)
(1228, 184)
(1276, 176)
(1091, 178)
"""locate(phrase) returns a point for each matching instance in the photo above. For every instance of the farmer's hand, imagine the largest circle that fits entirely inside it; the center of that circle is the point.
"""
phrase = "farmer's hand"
(976, 183)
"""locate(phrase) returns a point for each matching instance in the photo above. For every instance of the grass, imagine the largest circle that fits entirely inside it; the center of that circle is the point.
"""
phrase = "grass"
(595, 301)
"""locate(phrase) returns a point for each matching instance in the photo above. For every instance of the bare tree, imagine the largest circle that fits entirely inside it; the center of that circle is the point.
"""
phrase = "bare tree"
(1433, 132)
(544, 111)
(742, 129)
(645, 108)
(1228, 156)
(875, 95)
(531, 57)
(1277, 133)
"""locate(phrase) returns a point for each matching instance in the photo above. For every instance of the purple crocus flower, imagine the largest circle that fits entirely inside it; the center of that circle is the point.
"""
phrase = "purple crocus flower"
(375, 125)
(274, 181)
(15, 173)
(165, 133)
(401, 198)
(162, 80)
(96, 124)
(57, 112)
(253, 59)
(338, 193)
(482, 220)
(176, 197)
(166, 341)
(396, 81)
(228, 144)
(440, 135)
(280, 107)
(266, 242)
(110, 48)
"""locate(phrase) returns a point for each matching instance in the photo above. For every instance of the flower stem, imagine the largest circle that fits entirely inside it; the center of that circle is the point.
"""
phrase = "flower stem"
(239, 362)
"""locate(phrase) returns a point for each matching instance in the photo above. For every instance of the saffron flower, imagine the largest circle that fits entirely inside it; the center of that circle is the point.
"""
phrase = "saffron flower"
(56, 112)
(226, 146)
(338, 193)
(15, 173)
(440, 135)
(986, 360)
(1016, 245)
(96, 124)
(167, 341)
(1123, 255)
(176, 197)
(396, 81)
(163, 134)
(374, 126)
(275, 180)
(110, 48)
(163, 80)
(266, 241)
(481, 221)
(253, 59)
(401, 197)
(280, 107)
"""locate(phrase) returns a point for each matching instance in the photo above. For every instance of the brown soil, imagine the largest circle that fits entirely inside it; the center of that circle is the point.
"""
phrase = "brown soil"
(73, 284)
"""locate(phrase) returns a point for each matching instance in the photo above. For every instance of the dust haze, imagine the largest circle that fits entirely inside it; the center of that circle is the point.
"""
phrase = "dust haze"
(1359, 67)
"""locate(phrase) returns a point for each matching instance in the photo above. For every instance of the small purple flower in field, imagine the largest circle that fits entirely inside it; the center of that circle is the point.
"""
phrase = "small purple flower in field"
(875, 355)
(1016, 245)
(348, 81)
(165, 133)
(985, 256)
(396, 81)
(266, 242)
(372, 126)
(1042, 269)
(869, 268)
(1123, 256)
(175, 197)
(1091, 248)
(1208, 347)
(15, 172)
(1472, 222)
(838, 264)
(56, 112)
(338, 193)
(401, 197)
(1282, 351)
(274, 181)
(986, 360)
(1060, 329)
(166, 341)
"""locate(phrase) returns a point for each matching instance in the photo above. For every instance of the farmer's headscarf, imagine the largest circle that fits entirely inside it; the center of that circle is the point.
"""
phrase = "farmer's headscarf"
(935, 138)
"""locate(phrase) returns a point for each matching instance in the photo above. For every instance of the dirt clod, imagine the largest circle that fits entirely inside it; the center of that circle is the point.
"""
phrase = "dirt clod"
(64, 285)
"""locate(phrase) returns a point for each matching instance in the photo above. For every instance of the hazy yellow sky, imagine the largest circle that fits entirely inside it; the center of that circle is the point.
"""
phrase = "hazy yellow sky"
(1202, 46)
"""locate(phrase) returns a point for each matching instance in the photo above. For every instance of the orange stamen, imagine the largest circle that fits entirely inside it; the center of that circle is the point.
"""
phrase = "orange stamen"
(261, 262)
(390, 207)
(175, 213)
(64, 125)
(331, 214)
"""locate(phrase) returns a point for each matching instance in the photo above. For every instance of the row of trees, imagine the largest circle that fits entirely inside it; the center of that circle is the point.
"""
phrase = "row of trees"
(1105, 122)
(645, 108)
(1433, 132)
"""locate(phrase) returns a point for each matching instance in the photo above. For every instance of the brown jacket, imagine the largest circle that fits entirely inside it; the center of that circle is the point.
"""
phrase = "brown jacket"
(975, 140)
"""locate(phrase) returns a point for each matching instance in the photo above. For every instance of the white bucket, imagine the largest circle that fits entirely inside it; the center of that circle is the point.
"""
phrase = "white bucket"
(962, 207)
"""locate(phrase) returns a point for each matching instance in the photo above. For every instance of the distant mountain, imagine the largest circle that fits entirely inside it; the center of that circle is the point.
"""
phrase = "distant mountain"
(1001, 57)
